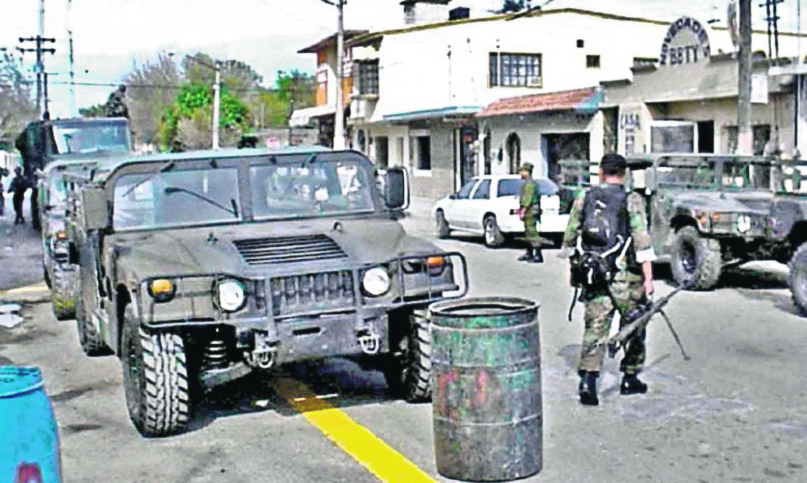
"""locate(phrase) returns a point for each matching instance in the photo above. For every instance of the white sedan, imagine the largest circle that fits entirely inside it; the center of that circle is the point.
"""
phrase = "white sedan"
(488, 206)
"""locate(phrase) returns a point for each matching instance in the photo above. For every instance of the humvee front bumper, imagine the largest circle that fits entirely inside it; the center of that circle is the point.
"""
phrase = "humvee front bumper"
(311, 313)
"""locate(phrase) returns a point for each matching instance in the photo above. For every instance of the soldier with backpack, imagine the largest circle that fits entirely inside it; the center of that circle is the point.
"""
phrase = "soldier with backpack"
(612, 265)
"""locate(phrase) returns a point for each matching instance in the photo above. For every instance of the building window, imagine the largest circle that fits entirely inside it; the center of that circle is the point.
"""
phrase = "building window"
(382, 151)
(580, 43)
(593, 61)
(368, 76)
(515, 70)
(420, 151)
(513, 147)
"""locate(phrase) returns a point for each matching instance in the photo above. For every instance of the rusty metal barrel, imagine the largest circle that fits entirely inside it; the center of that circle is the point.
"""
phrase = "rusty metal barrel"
(486, 388)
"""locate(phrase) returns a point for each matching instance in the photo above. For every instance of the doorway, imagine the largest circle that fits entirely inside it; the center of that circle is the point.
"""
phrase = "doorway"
(557, 147)
(466, 156)
(513, 147)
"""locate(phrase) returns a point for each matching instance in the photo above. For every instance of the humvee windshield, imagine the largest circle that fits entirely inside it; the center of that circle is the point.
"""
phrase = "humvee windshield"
(175, 198)
(316, 189)
(712, 173)
(87, 138)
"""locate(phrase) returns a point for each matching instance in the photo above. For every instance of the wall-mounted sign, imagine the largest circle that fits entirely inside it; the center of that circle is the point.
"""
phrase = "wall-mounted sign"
(686, 42)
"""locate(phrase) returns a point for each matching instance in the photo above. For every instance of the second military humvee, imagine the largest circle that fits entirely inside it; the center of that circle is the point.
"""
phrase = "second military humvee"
(45, 141)
(195, 266)
(708, 212)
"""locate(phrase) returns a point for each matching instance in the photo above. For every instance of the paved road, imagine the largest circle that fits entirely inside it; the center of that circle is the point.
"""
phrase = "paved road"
(735, 412)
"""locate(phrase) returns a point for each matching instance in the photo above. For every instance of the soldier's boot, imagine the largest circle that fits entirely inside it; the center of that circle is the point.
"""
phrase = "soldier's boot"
(588, 388)
(632, 385)
(538, 256)
(527, 256)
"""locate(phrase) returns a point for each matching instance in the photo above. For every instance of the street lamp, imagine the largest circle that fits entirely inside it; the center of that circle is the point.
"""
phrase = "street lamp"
(216, 93)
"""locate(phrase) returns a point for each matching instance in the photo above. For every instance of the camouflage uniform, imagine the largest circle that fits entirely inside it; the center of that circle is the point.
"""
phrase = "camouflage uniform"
(530, 202)
(626, 288)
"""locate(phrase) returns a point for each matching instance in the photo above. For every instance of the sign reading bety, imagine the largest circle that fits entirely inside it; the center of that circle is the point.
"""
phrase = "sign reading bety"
(686, 42)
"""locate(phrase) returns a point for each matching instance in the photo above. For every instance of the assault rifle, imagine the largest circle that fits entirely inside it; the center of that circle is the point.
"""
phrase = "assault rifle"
(637, 318)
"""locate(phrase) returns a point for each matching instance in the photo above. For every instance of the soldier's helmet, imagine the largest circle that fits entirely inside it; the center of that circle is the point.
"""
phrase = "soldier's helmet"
(525, 167)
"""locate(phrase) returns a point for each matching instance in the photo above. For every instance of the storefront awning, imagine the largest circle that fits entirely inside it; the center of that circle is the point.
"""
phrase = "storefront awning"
(581, 100)
(457, 111)
(302, 117)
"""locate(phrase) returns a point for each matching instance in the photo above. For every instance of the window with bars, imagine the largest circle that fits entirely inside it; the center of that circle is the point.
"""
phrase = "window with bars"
(368, 76)
(515, 70)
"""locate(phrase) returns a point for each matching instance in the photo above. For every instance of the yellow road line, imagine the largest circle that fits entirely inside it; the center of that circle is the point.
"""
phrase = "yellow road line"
(356, 440)
(40, 287)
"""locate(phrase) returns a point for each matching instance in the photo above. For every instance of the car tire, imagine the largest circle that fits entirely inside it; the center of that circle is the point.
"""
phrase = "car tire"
(407, 369)
(88, 337)
(63, 295)
(797, 278)
(155, 378)
(441, 225)
(693, 259)
(493, 236)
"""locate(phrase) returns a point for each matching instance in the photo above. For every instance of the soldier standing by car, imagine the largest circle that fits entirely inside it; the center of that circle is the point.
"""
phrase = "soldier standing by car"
(624, 255)
(530, 213)
(19, 185)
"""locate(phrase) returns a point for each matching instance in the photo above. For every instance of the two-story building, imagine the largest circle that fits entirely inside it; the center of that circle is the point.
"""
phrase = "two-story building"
(323, 114)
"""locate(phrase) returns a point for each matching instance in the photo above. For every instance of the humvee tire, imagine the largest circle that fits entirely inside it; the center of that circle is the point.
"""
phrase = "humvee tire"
(693, 259)
(441, 225)
(63, 295)
(407, 368)
(88, 337)
(797, 278)
(155, 378)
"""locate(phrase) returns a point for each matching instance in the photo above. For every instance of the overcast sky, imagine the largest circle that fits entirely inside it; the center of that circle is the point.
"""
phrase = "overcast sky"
(110, 36)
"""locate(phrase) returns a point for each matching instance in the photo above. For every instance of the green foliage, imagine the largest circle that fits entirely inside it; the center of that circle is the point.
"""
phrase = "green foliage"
(17, 106)
(191, 97)
(92, 111)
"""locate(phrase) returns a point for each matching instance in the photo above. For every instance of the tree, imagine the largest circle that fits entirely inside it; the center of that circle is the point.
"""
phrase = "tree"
(151, 88)
(17, 107)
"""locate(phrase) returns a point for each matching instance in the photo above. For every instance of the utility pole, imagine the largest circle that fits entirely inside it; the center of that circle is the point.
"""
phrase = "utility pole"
(339, 114)
(70, 56)
(745, 136)
(40, 67)
(216, 106)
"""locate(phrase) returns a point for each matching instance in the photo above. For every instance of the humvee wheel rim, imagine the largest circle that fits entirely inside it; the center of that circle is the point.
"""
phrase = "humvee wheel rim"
(689, 258)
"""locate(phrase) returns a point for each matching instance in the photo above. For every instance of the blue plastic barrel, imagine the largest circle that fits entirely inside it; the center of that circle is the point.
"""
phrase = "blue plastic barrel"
(29, 452)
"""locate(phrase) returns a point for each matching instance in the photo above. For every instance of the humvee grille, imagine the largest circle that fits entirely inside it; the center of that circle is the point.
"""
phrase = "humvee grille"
(313, 292)
(288, 249)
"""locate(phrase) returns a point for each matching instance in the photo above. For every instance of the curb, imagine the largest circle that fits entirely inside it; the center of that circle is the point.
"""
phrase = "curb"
(31, 294)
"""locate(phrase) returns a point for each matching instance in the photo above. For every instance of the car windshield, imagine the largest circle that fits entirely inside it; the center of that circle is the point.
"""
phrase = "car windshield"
(320, 188)
(747, 175)
(687, 173)
(91, 137)
(175, 198)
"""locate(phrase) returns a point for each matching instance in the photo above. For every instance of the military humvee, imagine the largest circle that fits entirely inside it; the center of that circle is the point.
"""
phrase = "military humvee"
(45, 141)
(198, 267)
(709, 212)
(60, 275)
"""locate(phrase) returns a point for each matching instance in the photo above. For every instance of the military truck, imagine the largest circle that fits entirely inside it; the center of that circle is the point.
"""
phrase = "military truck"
(45, 141)
(198, 267)
(709, 212)
(60, 275)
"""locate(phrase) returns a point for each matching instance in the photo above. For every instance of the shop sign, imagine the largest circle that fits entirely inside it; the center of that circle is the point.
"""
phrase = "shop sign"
(630, 130)
(686, 42)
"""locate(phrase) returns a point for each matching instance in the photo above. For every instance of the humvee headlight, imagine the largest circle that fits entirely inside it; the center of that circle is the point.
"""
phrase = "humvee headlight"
(61, 235)
(230, 295)
(436, 264)
(743, 223)
(376, 281)
(162, 289)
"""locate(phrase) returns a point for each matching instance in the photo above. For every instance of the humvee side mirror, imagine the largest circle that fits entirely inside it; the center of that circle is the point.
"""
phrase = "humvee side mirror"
(94, 209)
(396, 188)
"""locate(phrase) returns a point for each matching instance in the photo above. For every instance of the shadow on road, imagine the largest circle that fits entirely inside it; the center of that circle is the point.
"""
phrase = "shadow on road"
(339, 382)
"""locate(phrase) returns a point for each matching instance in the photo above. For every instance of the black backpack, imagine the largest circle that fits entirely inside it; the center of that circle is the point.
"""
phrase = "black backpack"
(605, 235)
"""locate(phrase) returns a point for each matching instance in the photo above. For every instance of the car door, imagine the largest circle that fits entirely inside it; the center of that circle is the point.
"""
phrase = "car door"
(477, 205)
(457, 205)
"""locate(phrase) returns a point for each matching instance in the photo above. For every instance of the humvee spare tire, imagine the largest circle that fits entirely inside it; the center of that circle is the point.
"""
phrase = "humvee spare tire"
(693, 258)
(155, 378)
(407, 369)
(797, 278)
